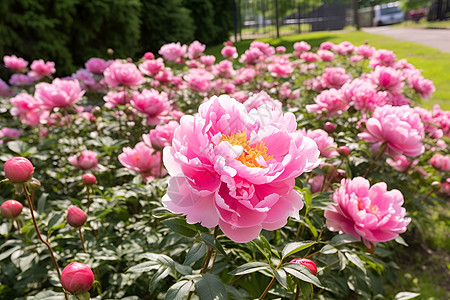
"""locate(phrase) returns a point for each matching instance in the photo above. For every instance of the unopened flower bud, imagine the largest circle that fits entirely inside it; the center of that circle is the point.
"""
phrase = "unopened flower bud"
(344, 151)
(11, 208)
(329, 127)
(35, 184)
(77, 278)
(149, 55)
(328, 169)
(75, 216)
(436, 185)
(307, 263)
(18, 169)
(89, 179)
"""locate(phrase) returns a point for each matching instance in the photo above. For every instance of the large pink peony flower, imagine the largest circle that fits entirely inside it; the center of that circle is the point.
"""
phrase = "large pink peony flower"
(142, 159)
(371, 213)
(161, 136)
(334, 77)
(41, 69)
(120, 73)
(400, 127)
(87, 160)
(237, 169)
(14, 63)
(152, 67)
(153, 104)
(441, 162)
(60, 93)
(173, 51)
(330, 102)
(325, 143)
(28, 109)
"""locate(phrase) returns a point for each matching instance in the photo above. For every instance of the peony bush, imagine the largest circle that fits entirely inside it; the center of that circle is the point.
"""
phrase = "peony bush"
(187, 176)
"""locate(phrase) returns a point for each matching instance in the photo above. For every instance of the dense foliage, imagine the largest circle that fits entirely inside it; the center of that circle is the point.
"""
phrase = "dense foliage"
(239, 190)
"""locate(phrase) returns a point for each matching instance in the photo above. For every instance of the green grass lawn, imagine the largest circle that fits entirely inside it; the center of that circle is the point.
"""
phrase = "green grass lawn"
(435, 63)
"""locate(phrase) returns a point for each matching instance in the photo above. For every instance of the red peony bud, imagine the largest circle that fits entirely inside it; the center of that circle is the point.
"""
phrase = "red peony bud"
(307, 263)
(77, 278)
(149, 55)
(89, 179)
(75, 216)
(344, 151)
(18, 169)
(329, 127)
(11, 208)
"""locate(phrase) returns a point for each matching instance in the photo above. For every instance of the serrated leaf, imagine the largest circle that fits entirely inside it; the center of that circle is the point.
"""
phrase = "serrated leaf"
(179, 290)
(342, 239)
(295, 247)
(210, 287)
(195, 253)
(160, 274)
(250, 268)
(181, 227)
(144, 267)
(406, 296)
(213, 242)
(303, 273)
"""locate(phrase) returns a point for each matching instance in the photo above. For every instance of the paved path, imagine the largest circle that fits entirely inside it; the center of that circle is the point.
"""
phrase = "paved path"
(436, 38)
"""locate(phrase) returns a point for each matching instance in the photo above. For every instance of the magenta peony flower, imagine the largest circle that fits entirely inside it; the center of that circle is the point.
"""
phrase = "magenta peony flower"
(324, 142)
(229, 52)
(41, 69)
(365, 51)
(173, 51)
(309, 56)
(161, 136)
(387, 78)
(325, 55)
(14, 63)
(195, 49)
(152, 67)
(126, 74)
(327, 46)
(60, 93)
(383, 57)
(334, 78)
(371, 213)
(398, 126)
(87, 160)
(301, 47)
(113, 99)
(97, 65)
(11, 208)
(307, 263)
(344, 48)
(424, 87)
(441, 162)
(75, 216)
(18, 169)
(77, 278)
(208, 60)
(142, 159)
(153, 104)
(330, 102)
(237, 169)
(362, 95)
(280, 49)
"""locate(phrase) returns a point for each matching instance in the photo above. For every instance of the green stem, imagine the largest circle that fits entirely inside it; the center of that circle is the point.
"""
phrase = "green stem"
(297, 291)
(378, 155)
(88, 199)
(82, 240)
(208, 255)
(267, 288)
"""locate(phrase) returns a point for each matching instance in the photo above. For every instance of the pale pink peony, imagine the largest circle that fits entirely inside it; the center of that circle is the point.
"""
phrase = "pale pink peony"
(441, 162)
(362, 95)
(388, 78)
(334, 78)
(173, 51)
(325, 55)
(260, 99)
(142, 159)
(244, 75)
(87, 160)
(398, 126)
(60, 93)
(327, 46)
(301, 47)
(20, 80)
(400, 163)
(265, 48)
(161, 136)
(424, 87)
(344, 48)
(97, 65)
(252, 56)
(208, 60)
(280, 67)
(330, 102)
(86, 79)
(8, 134)
(126, 74)
(309, 57)
(365, 51)
(152, 66)
(370, 213)
(280, 49)
(195, 49)
(396, 99)
(324, 142)
(14, 63)
(199, 80)
(237, 169)
(28, 109)
(224, 69)
(229, 52)
(383, 57)
(153, 104)
(113, 99)
(41, 69)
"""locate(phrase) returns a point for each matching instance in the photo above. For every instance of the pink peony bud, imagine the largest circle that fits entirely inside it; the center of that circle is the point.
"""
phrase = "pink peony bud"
(436, 185)
(18, 169)
(11, 208)
(329, 127)
(75, 216)
(344, 151)
(89, 179)
(307, 263)
(77, 278)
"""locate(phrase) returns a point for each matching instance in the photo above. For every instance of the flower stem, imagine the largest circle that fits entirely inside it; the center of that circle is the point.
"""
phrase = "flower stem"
(267, 288)
(18, 226)
(88, 199)
(82, 240)
(30, 204)
(297, 292)
(208, 255)
(377, 157)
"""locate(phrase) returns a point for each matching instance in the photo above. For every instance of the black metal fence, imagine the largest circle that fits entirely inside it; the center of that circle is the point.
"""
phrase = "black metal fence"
(439, 10)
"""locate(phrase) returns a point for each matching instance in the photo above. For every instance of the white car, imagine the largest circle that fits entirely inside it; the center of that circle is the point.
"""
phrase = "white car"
(386, 14)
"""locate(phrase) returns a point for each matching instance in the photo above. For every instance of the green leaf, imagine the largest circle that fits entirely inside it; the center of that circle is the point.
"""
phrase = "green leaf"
(144, 267)
(311, 227)
(328, 249)
(57, 218)
(18, 146)
(8, 252)
(406, 296)
(343, 239)
(181, 227)
(356, 261)
(162, 273)
(281, 277)
(195, 253)
(342, 261)
(179, 290)
(266, 246)
(213, 242)
(306, 289)
(250, 268)
(303, 273)
(210, 287)
(295, 247)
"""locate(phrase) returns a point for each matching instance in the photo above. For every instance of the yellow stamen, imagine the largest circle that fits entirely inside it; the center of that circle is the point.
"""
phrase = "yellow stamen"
(251, 152)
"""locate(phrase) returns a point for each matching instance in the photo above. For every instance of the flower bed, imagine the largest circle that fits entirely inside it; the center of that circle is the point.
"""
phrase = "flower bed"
(271, 174)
